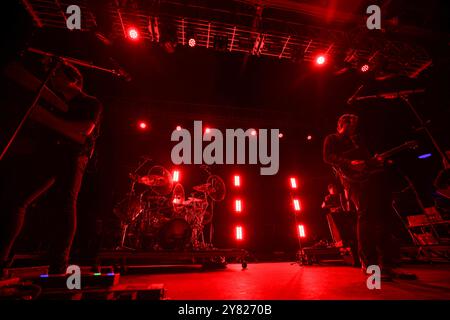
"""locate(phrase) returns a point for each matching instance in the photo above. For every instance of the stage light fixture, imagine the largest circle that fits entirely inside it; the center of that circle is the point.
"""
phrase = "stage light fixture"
(237, 181)
(133, 34)
(192, 43)
(178, 128)
(293, 182)
(239, 233)
(424, 156)
(142, 125)
(280, 135)
(365, 67)
(238, 205)
(309, 137)
(320, 60)
(176, 176)
(297, 206)
(301, 231)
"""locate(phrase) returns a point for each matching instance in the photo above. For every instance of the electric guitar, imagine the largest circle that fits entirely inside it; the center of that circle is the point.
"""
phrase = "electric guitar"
(373, 165)
(76, 131)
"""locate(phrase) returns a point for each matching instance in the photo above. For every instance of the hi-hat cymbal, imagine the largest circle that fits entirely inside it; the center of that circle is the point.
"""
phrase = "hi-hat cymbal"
(192, 199)
(153, 180)
(202, 187)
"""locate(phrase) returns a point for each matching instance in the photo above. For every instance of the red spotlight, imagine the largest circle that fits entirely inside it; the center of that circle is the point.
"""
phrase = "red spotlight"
(301, 231)
(238, 205)
(178, 128)
(237, 181)
(253, 132)
(309, 137)
(320, 60)
(280, 135)
(297, 205)
(365, 68)
(142, 125)
(207, 130)
(176, 176)
(192, 42)
(239, 233)
(293, 183)
(133, 33)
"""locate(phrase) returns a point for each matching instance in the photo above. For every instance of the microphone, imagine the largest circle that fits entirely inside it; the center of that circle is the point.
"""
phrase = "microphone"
(352, 98)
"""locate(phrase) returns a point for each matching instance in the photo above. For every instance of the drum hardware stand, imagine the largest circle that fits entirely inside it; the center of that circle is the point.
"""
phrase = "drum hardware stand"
(130, 195)
(211, 226)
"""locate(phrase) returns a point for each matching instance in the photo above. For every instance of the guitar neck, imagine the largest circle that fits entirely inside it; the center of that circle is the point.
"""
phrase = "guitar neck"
(395, 150)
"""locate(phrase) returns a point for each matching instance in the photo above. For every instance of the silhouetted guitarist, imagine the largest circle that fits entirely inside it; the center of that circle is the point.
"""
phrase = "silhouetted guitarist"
(369, 193)
(51, 151)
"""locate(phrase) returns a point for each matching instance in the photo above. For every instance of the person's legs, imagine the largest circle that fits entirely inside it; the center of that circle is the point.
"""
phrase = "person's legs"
(22, 184)
(366, 245)
(67, 188)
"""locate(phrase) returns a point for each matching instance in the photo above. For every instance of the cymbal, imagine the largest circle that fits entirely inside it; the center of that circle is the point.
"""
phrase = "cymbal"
(153, 180)
(195, 199)
(150, 180)
(192, 200)
(202, 187)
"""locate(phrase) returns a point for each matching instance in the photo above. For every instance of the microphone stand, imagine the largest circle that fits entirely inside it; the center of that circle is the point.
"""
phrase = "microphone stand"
(55, 63)
(78, 62)
(423, 126)
(403, 95)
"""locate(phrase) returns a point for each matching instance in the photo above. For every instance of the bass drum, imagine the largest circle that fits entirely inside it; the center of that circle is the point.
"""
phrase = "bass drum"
(175, 235)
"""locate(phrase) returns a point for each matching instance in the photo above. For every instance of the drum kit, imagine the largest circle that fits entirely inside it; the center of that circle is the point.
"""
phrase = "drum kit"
(156, 215)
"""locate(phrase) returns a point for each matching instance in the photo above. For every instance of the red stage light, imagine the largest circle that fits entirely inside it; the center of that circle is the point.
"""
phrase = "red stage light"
(133, 33)
(365, 68)
(237, 181)
(207, 130)
(320, 60)
(238, 205)
(301, 231)
(239, 233)
(309, 137)
(192, 42)
(297, 206)
(280, 135)
(253, 133)
(178, 128)
(142, 125)
(176, 176)
(293, 183)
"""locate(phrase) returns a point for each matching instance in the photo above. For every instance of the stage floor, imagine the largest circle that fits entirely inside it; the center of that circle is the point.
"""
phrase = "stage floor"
(286, 281)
